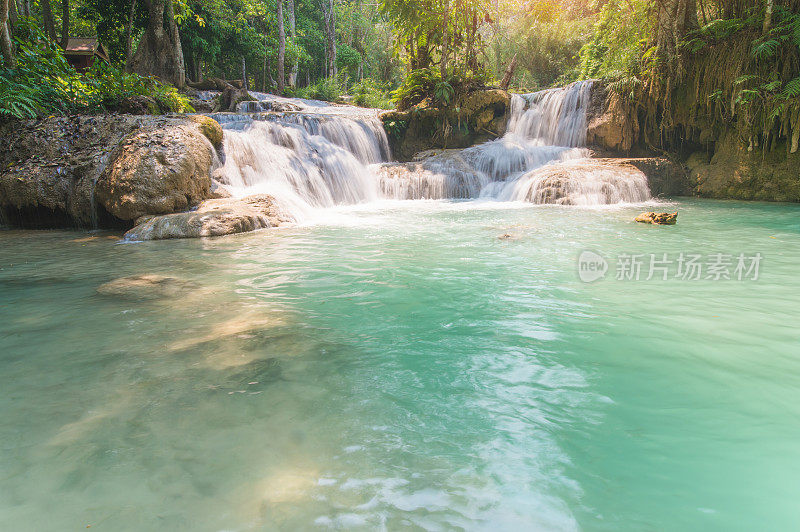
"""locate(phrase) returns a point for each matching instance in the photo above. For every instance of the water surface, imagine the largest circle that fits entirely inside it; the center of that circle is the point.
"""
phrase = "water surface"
(402, 366)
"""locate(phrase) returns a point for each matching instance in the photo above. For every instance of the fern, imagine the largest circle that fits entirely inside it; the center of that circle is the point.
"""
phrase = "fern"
(766, 49)
(791, 89)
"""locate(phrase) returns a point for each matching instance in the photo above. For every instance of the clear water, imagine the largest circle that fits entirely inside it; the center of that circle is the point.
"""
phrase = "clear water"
(400, 366)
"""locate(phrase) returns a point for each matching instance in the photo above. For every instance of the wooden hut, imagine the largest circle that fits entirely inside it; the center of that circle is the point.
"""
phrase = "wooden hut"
(82, 52)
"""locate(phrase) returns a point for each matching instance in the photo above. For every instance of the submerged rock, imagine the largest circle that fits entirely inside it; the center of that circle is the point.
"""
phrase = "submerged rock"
(147, 286)
(216, 217)
(661, 218)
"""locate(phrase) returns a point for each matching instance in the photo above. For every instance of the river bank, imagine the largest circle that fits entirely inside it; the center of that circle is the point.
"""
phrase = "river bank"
(121, 171)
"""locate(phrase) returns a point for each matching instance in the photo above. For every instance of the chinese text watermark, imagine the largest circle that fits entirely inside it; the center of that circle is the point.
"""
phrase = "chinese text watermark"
(592, 266)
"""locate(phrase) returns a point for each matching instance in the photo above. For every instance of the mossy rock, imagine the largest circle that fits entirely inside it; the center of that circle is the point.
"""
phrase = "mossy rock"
(735, 172)
(470, 119)
(138, 104)
(210, 129)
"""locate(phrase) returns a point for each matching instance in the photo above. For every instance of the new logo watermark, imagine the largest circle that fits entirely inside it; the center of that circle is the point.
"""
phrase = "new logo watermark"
(592, 266)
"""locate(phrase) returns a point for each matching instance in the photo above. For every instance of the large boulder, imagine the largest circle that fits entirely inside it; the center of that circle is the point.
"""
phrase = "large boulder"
(612, 123)
(157, 171)
(215, 217)
(48, 167)
(103, 171)
(472, 118)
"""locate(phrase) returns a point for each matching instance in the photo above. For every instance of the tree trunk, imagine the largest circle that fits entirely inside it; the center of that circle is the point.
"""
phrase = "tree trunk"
(64, 23)
(159, 53)
(509, 74)
(330, 36)
(445, 40)
(768, 15)
(281, 49)
(129, 34)
(293, 33)
(5, 36)
(13, 13)
(47, 18)
(245, 86)
(675, 19)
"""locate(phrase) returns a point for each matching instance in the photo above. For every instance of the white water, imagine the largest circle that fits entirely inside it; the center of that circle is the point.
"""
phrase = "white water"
(312, 155)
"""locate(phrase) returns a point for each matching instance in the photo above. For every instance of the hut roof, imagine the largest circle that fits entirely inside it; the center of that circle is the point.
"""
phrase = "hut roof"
(86, 46)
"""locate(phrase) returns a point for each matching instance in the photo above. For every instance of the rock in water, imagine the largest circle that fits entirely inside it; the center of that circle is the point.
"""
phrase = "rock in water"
(215, 217)
(158, 173)
(148, 286)
(50, 169)
(661, 218)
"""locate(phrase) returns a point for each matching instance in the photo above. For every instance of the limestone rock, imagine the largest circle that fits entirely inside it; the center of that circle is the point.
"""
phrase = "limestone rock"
(231, 98)
(138, 104)
(612, 124)
(472, 118)
(661, 218)
(157, 172)
(665, 177)
(215, 217)
(210, 128)
(49, 168)
(734, 171)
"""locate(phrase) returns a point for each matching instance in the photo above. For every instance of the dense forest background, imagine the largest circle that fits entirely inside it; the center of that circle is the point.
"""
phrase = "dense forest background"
(687, 63)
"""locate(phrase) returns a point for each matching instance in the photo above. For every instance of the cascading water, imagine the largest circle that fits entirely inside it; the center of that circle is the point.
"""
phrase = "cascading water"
(310, 154)
(541, 159)
(306, 160)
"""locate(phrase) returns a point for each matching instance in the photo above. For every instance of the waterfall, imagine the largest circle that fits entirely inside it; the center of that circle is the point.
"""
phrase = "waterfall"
(557, 117)
(306, 160)
(312, 155)
(579, 182)
(542, 158)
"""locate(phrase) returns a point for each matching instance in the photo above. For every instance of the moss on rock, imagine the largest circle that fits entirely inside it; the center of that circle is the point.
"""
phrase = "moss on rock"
(210, 128)
(472, 118)
(737, 172)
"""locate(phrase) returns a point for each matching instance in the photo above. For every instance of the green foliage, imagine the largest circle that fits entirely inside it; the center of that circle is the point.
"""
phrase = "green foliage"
(443, 92)
(371, 93)
(395, 129)
(43, 83)
(417, 86)
(619, 41)
(546, 40)
(347, 56)
(326, 89)
(437, 32)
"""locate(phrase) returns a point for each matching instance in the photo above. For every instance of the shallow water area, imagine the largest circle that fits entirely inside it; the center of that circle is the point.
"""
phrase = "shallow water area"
(427, 364)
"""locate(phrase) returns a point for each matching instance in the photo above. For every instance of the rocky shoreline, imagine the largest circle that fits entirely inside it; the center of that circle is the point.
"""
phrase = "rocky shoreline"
(152, 176)
(105, 171)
